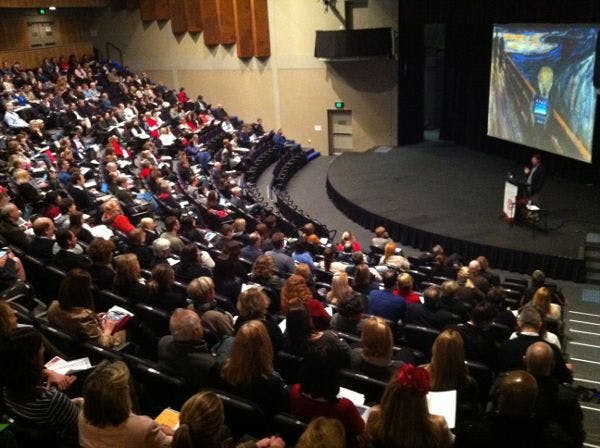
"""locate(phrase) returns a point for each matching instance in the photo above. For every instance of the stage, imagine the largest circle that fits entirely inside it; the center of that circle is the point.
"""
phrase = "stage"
(441, 193)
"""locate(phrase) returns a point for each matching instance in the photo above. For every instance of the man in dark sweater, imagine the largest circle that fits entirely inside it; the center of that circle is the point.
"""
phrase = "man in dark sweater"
(184, 352)
(555, 402)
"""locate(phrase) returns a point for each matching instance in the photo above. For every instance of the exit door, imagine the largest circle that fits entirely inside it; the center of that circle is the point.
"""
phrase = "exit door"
(340, 130)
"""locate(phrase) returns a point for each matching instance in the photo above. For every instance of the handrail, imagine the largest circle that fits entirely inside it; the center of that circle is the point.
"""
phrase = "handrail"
(108, 46)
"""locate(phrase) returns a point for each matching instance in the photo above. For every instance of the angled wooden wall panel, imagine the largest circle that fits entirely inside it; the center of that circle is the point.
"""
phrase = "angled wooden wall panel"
(178, 22)
(226, 13)
(260, 28)
(210, 22)
(147, 10)
(243, 28)
(193, 15)
(162, 9)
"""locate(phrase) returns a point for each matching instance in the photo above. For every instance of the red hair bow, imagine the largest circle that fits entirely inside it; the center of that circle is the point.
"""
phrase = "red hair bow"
(413, 379)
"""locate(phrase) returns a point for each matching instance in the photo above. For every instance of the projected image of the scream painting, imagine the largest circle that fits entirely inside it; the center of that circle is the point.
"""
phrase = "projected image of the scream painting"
(541, 87)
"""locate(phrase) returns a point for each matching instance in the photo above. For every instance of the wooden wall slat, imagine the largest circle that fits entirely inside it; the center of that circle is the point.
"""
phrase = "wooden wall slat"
(193, 15)
(210, 22)
(178, 22)
(147, 10)
(162, 9)
(260, 28)
(243, 28)
(34, 58)
(226, 13)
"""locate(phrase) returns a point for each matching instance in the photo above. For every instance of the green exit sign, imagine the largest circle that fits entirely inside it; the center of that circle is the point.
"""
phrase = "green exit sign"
(42, 11)
(339, 104)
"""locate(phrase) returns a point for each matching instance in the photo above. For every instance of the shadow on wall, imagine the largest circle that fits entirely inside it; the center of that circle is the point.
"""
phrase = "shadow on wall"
(378, 75)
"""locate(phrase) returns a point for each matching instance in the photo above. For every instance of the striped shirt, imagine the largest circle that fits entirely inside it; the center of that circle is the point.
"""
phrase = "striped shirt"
(49, 409)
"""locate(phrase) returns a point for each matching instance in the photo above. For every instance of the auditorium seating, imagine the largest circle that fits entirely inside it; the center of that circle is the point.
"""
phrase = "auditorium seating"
(159, 389)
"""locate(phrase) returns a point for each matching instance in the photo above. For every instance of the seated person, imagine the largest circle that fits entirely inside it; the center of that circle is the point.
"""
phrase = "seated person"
(349, 317)
(10, 227)
(190, 264)
(390, 258)
(263, 272)
(26, 397)
(201, 291)
(374, 357)
(107, 418)
(113, 217)
(102, 271)
(248, 372)
(161, 291)
(137, 245)
(184, 352)
(253, 304)
(69, 257)
(171, 233)
(295, 292)
(405, 288)
(128, 279)
(317, 394)
(73, 312)
(381, 238)
(429, 313)
(384, 303)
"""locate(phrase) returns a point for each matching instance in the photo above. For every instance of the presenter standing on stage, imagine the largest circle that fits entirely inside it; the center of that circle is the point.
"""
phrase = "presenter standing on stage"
(536, 175)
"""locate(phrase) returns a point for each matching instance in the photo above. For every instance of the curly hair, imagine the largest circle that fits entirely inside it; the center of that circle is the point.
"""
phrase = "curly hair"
(294, 292)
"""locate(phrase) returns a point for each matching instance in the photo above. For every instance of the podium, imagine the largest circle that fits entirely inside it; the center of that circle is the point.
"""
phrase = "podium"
(515, 199)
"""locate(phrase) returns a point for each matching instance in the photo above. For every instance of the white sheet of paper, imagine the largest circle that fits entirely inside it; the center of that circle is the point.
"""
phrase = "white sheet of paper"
(444, 404)
(355, 397)
(282, 325)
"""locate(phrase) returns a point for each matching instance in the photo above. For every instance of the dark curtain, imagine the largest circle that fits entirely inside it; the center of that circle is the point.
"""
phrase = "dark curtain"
(411, 89)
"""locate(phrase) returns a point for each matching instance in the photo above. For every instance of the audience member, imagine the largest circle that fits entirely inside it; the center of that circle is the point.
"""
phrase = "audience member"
(184, 352)
(429, 313)
(107, 418)
(402, 418)
(384, 303)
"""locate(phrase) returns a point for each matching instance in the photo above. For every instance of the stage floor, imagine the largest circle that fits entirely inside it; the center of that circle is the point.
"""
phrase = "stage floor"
(455, 192)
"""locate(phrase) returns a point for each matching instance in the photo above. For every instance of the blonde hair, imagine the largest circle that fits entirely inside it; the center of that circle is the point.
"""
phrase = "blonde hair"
(340, 288)
(404, 282)
(388, 251)
(201, 422)
(251, 355)
(377, 339)
(200, 288)
(323, 432)
(447, 368)
(127, 269)
(21, 176)
(253, 303)
(239, 225)
(112, 207)
(106, 393)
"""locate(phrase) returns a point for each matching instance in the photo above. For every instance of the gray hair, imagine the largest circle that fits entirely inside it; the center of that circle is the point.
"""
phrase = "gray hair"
(5, 211)
(183, 324)
(161, 247)
(530, 317)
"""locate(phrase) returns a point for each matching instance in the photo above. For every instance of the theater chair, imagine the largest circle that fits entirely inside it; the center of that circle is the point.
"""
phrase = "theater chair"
(500, 332)
(288, 427)
(158, 389)
(288, 366)
(242, 416)
(371, 388)
(420, 338)
(484, 377)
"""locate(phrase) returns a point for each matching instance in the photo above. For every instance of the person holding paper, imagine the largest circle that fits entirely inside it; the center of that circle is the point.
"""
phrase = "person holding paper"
(26, 396)
(73, 312)
(448, 371)
(402, 418)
